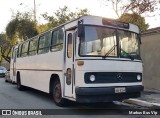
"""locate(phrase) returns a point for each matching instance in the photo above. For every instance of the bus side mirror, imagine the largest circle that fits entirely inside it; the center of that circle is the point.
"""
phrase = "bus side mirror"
(80, 30)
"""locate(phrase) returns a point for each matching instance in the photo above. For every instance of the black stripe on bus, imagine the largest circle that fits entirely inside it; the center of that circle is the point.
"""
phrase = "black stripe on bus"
(38, 70)
(110, 59)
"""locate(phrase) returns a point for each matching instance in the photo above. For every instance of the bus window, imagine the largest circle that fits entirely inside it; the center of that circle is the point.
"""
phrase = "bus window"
(44, 43)
(19, 51)
(57, 40)
(33, 46)
(24, 49)
(69, 49)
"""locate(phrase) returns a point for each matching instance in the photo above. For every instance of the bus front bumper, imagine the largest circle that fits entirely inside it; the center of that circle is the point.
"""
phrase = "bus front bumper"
(106, 94)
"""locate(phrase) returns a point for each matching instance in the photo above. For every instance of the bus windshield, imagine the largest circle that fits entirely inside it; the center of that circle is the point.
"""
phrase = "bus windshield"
(102, 41)
(129, 46)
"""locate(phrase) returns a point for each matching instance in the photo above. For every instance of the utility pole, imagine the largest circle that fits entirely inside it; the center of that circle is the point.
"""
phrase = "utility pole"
(34, 10)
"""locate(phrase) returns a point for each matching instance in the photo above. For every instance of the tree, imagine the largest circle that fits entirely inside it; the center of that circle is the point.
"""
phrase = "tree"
(42, 27)
(136, 19)
(121, 7)
(63, 15)
(132, 10)
(21, 26)
(5, 48)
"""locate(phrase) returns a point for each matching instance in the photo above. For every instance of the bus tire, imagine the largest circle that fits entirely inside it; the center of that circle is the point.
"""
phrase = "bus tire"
(19, 86)
(6, 81)
(57, 94)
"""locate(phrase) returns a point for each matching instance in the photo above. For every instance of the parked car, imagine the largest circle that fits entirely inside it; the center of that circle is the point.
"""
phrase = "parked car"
(2, 71)
(7, 76)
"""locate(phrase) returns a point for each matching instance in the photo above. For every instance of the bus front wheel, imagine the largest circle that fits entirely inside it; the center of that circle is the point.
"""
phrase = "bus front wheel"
(19, 86)
(57, 94)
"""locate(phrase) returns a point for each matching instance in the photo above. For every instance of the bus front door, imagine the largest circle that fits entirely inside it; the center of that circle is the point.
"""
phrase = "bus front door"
(69, 64)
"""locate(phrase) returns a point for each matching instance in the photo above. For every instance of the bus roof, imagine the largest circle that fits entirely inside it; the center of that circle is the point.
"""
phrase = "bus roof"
(94, 20)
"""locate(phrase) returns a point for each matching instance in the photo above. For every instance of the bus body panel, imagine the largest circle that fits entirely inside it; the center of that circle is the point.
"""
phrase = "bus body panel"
(109, 65)
(35, 71)
(40, 62)
(37, 79)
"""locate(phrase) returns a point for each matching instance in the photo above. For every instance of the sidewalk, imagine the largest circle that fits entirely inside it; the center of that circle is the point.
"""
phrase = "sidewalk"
(149, 98)
(152, 96)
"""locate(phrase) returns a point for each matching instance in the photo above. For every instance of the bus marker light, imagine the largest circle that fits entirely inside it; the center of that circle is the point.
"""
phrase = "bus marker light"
(80, 63)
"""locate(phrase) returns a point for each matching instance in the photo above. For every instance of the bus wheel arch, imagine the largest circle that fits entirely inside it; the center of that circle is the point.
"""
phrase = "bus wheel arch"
(53, 78)
(19, 86)
(55, 90)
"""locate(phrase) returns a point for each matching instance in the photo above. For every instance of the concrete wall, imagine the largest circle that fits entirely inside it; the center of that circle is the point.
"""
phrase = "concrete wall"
(150, 53)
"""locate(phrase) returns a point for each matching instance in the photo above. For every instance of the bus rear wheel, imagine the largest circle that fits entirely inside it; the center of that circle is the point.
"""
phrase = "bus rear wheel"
(57, 94)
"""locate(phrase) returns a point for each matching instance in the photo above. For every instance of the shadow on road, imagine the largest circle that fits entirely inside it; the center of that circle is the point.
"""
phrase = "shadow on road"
(47, 97)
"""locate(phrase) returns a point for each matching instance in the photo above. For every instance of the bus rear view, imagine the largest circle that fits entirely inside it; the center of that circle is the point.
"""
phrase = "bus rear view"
(108, 64)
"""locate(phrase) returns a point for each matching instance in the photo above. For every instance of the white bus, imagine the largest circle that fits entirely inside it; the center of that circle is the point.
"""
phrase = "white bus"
(90, 59)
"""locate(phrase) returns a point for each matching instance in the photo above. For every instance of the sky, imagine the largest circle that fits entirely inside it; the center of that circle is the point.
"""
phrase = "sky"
(96, 7)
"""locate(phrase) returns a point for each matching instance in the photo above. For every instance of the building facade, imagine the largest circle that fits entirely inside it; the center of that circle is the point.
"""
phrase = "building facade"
(150, 53)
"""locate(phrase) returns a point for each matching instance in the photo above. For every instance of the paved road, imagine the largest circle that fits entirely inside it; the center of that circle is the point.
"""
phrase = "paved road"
(11, 98)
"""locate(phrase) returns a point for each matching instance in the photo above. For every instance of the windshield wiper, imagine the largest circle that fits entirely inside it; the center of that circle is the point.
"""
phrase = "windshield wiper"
(109, 52)
(130, 56)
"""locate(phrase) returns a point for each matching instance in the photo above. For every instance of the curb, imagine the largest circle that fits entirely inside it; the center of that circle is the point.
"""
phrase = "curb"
(156, 105)
(142, 103)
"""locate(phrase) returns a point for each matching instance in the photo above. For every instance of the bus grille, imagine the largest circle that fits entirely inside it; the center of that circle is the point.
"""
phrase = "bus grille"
(112, 77)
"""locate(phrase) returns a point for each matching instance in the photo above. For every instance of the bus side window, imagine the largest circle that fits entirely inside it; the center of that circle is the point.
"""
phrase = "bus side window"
(24, 51)
(57, 40)
(69, 45)
(44, 43)
(33, 46)
(19, 51)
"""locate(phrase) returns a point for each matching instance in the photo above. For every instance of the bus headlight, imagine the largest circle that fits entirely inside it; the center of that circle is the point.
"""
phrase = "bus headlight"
(92, 78)
(139, 77)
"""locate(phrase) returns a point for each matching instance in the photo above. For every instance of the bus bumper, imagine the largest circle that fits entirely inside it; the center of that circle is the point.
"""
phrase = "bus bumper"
(106, 94)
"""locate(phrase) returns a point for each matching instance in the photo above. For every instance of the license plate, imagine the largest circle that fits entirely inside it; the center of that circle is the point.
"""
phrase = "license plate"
(120, 90)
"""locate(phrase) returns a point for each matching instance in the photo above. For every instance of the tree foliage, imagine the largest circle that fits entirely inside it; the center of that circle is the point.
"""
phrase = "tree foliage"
(21, 26)
(63, 15)
(42, 27)
(132, 10)
(5, 48)
(121, 7)
(136, 19)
